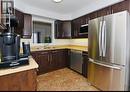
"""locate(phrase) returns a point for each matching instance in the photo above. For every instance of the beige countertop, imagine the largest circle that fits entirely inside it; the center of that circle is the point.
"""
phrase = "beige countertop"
(32, 65)
(73, 47)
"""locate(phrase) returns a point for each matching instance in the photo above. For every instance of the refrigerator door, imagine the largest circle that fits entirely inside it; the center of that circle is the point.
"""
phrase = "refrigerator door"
(107, 77)
(95, 39)
(114, 38)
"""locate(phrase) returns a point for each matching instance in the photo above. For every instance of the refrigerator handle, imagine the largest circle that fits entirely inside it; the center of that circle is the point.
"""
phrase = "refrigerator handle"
(105, 65)
(104, 39)
(100, 39)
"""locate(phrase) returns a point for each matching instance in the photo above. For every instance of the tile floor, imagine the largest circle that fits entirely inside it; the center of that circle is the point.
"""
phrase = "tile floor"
(63, 80)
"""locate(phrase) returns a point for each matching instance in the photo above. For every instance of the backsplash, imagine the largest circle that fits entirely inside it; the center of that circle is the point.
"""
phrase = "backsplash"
(81, 42)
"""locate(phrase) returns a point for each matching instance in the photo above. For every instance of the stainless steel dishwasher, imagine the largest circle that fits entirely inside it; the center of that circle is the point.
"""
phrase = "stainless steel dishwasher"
(76, 61)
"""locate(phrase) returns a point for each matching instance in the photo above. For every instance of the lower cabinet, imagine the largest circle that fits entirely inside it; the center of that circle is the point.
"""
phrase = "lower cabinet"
(51, 60)
(21, 81)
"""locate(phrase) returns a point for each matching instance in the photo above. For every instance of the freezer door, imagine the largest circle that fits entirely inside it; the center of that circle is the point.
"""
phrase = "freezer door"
(106, 77)
(94, 39)
(114, 38)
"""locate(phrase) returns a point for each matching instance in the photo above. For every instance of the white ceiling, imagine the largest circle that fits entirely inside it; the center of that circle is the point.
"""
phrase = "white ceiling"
(65, 7)
(66, 10)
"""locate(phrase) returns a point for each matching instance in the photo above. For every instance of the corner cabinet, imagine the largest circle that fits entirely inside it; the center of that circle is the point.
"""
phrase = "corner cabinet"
(62, 29)
(51, 60)
(24, 28)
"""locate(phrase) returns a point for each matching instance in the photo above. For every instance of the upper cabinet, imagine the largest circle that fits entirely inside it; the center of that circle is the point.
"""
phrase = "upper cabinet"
(76, 25)
(24, 24)
(93, 15)
(104, 11)
(27, 32)
(20, 17)
(121, 6)
(62, 29)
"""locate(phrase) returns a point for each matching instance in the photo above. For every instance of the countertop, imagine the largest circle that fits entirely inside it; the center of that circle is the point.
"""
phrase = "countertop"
(32, 65)
(73, 47)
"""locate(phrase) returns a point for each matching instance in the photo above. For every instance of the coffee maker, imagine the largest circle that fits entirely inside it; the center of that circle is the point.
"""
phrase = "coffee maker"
(10, 46)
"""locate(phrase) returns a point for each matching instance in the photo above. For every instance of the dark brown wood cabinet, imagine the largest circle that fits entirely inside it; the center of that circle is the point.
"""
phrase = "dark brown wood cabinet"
(75, 28)
(51, 60)
(104, 11)
(58, 29)
(24, 24)
(76, 25)
(62, 29)
(43, 60)
(93, 15)
(27, 32)
(121, 6)
(20, 17)
(59, 59)
(21, 81)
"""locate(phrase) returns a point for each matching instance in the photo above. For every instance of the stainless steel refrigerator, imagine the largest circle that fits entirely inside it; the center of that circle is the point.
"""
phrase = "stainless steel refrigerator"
(109, 52)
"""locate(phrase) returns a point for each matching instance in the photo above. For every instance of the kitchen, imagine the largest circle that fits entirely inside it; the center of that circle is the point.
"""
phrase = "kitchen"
(65, 45)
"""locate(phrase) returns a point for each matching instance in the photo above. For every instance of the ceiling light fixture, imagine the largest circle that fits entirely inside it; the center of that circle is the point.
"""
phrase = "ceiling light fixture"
(57, 1)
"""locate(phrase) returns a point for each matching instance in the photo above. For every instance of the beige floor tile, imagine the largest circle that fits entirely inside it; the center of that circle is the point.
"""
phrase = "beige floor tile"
(63, 80)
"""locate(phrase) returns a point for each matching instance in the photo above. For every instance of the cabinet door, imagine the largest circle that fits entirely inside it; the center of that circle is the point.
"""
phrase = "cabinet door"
(66, 29)
(20, 16)
(75, 27)
(121, 6)
(93, 15)
(27, 32)
(63, 59)
(58, 29)
(43, 60)
(59, 59)
(55, 59)
(104, 11)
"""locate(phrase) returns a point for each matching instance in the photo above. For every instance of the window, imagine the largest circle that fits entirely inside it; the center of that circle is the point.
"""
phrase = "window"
(41, 32)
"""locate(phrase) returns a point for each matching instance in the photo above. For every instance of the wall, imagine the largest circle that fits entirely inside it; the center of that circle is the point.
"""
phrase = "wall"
(83, 42)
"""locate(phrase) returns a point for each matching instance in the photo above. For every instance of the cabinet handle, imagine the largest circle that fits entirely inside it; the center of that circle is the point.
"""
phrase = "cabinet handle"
(48, 58)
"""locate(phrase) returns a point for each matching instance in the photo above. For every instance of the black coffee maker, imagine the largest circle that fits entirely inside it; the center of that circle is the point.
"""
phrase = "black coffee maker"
(10, 46)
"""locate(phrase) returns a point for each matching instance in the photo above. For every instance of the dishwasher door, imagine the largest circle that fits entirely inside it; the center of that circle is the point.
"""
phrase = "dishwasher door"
(76, 61)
